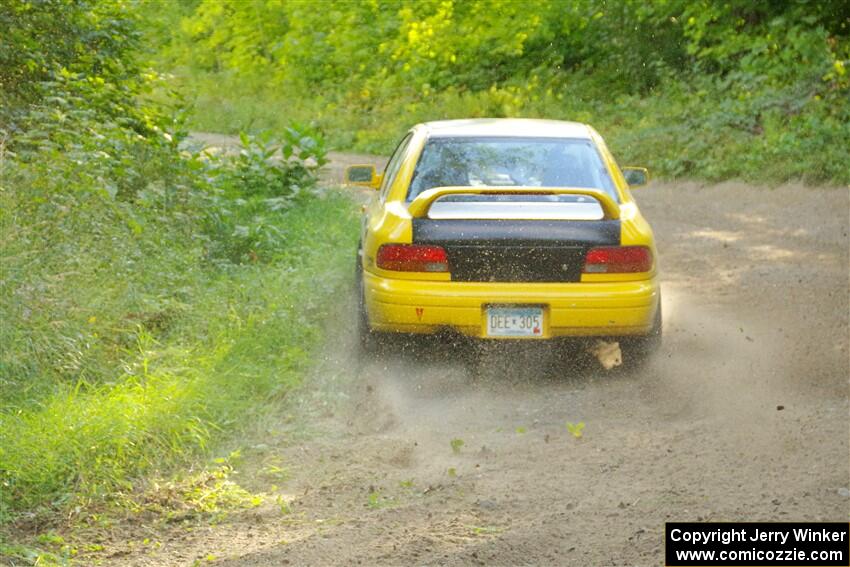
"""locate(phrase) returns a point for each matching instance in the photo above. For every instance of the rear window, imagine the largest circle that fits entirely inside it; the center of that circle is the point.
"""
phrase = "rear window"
(530, 162)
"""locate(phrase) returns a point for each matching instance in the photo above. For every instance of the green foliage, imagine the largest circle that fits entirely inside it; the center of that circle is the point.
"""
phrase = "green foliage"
(688, 88)
(43, 39)
(29, 555)
(151, 296)
(210, 493)
(284, 506)
(247, 193)
(376, 500)
(267, 168)
(576, 429)
(112, 377)
(457, 445)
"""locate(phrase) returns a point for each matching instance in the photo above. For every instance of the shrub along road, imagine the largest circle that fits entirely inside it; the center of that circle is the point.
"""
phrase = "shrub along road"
(405, 459)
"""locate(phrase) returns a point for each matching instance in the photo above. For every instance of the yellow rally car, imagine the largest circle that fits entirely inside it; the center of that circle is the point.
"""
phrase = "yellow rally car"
(507, 229)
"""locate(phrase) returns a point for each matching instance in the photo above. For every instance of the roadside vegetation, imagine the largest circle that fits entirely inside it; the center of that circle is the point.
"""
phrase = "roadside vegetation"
(713, 90)
(151, 295)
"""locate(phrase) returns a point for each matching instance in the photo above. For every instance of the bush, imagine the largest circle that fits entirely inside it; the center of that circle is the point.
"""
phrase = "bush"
(247, 193)
(688, 88)
(151, 296)
(141, 332)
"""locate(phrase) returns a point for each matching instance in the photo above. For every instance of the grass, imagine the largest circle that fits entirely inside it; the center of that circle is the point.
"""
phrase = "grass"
(109, 378)
(18, 554)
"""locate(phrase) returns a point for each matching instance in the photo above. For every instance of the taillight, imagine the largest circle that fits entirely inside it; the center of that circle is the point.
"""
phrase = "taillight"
(412, 258)
(618, 260)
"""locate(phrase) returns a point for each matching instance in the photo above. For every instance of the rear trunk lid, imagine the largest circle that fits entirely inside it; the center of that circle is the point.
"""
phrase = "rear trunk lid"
(517, 235)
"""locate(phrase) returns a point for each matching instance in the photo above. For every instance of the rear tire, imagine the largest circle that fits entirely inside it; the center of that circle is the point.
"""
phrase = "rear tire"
(368, 342)
(638, 350)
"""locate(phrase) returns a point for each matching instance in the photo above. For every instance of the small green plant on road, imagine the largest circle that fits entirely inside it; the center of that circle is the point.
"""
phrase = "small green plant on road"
(576, 429)
(456, 445)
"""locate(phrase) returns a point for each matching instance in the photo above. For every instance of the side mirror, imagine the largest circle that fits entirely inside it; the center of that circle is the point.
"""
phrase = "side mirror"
(363, 176)
(636, 176)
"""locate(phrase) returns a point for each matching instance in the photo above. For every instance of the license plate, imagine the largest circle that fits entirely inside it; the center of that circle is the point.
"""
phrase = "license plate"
(514, 321)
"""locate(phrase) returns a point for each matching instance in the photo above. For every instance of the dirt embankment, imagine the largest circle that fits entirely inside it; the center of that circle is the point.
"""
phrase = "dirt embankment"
(742, 416)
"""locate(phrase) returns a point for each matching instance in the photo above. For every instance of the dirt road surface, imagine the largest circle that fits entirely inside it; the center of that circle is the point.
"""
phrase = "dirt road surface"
(742, 416)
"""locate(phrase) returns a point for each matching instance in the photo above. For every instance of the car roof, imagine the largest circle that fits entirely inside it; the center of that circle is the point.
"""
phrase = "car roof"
(507, 127)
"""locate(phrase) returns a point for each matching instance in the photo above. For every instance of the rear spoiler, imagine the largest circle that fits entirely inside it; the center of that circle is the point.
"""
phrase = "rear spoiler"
(420, 205)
